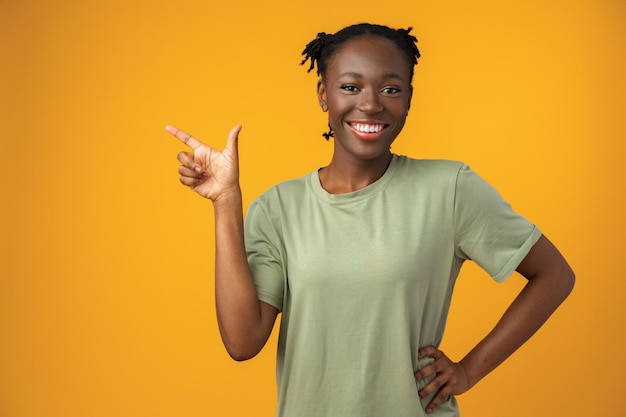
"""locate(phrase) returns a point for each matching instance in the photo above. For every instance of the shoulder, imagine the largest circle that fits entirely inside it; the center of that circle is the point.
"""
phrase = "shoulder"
(429, 170)
(436, 166)
(283, 192)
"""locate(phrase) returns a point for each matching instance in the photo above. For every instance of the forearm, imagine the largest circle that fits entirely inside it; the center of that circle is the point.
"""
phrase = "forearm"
(238, 310)
(532, 307)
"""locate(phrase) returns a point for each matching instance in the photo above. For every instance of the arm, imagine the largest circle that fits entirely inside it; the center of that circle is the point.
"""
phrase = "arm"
(550, 280)
(245, 323)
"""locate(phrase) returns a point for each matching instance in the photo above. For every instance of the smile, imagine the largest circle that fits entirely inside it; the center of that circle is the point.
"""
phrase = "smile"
(367, 128)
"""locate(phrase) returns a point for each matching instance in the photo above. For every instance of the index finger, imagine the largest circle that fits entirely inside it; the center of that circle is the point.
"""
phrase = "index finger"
(184, 137)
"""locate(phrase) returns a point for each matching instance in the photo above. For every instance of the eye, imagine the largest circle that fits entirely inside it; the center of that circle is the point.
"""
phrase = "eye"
(391, 90)
(349, 88)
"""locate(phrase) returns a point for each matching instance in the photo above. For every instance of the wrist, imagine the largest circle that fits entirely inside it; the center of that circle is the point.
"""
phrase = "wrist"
(469, 383)
(229, 198)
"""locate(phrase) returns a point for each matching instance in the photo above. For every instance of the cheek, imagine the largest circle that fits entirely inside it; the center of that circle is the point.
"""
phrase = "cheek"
(400, 108)
(337, 101)
(337, 108)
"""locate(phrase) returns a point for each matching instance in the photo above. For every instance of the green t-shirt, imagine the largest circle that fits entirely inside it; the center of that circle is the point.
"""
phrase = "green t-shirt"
(364, 279)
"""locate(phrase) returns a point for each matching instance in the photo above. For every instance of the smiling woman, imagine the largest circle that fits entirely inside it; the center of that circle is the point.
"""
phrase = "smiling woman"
(366, 90)
(361, 256)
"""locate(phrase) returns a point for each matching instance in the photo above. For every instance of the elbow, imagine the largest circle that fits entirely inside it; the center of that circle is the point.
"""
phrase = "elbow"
(242, 350)
(240, 355)
(569, 281)
(564, 285)
(244, 338)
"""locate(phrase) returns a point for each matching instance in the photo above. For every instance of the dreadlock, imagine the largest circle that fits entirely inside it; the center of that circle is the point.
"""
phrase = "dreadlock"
(320, 49)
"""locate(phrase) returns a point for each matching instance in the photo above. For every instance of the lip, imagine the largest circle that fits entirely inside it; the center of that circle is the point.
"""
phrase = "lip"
(367, 135)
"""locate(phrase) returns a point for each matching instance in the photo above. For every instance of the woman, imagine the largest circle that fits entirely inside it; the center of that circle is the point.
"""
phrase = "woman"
(361, 256)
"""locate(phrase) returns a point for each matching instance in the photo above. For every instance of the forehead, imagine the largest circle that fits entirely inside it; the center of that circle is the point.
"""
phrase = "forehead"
(369, 54)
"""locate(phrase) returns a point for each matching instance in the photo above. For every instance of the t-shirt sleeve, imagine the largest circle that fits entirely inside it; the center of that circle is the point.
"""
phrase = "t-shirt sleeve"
(262, 242)
(487, 230)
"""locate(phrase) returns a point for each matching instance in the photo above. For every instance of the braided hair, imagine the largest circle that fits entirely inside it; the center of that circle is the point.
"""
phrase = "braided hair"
(321, 49)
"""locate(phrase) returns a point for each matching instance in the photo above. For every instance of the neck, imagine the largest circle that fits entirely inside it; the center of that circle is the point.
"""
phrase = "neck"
(346, 178)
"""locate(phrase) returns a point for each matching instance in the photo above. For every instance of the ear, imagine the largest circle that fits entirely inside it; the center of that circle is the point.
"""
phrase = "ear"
(321, 95)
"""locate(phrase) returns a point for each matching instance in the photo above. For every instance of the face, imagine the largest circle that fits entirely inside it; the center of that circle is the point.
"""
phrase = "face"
(367, 92)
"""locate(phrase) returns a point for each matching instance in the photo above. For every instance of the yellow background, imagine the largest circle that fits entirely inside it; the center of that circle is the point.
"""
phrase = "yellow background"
(106, 297)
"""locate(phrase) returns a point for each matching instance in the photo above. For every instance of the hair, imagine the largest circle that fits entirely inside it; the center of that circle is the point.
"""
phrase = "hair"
(322, 48)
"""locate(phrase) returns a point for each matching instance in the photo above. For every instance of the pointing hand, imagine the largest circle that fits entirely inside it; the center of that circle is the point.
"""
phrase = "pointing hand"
(210, 173)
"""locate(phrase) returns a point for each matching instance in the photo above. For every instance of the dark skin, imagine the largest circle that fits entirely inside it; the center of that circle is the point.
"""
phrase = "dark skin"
(366, 91)
(550, 280)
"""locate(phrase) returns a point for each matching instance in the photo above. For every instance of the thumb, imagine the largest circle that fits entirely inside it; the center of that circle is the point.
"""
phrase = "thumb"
(233, 139)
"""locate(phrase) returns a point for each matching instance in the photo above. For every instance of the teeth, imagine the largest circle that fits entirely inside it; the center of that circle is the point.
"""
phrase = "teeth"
(368, 128)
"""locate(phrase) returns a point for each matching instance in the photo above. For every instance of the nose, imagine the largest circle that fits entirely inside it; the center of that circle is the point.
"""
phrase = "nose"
(369, 102)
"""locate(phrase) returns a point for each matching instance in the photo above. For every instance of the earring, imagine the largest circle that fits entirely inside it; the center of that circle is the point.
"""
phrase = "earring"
(324, 107)
(329, 134)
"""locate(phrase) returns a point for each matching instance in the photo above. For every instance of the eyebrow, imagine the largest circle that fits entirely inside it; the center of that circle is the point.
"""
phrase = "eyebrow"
(385, 76)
